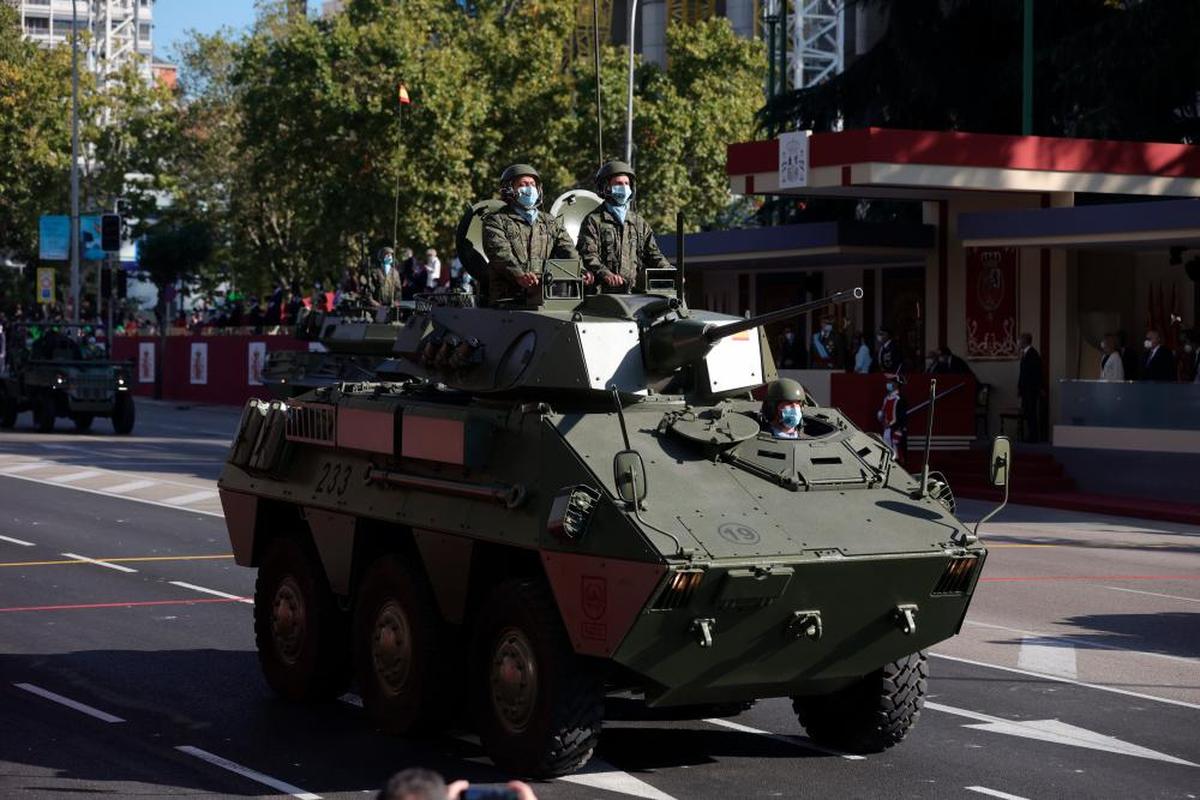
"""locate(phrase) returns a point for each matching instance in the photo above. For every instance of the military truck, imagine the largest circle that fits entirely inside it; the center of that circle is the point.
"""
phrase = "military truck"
(60, 375)
(539, 504)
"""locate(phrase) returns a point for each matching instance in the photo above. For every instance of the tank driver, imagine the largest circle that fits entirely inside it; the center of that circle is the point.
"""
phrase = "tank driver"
(519, 237)
(615, 242)
(783, 409)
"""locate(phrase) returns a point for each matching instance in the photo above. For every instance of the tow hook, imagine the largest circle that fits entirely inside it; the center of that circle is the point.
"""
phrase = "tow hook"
(906, 617)
(805, 625)
(703, 629)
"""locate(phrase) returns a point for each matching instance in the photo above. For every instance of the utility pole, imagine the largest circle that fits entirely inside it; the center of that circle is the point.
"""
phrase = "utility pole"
(633, 4)
(74, 163)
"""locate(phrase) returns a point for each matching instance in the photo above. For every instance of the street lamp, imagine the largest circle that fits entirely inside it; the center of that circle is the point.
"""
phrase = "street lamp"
(633, 4)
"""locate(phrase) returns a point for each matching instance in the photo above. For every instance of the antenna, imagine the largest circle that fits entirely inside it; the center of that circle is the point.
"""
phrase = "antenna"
(599, 113)
(679, 260)
(928, 436)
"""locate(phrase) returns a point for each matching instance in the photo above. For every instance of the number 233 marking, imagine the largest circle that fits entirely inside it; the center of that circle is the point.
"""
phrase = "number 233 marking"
(335, 479)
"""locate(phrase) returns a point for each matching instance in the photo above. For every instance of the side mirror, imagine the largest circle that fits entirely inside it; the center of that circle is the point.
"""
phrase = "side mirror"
(1000, 462)
(629, 474)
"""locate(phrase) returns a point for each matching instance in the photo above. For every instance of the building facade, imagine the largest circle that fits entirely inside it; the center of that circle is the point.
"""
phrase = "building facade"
(122, 31)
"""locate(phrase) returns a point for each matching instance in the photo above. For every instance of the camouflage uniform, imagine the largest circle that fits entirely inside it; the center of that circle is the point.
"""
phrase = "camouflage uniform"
(514, 246)
(609, 247)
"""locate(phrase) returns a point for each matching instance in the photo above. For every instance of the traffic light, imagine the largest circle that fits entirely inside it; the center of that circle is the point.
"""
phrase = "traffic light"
(110, 233)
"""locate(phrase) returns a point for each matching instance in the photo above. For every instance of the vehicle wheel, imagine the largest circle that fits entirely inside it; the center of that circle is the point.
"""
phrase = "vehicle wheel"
(301, 636)
(8, 412)
(83, 422)
(44, 411)
(872, 714)
(123, 415)
(398, 655)
(539, 705)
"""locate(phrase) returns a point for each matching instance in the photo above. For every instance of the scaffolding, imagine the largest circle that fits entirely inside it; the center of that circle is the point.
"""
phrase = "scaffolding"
(815, 41)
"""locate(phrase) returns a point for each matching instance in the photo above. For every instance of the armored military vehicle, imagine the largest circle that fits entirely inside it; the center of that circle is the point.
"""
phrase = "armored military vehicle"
(538, 504)
(57, 376)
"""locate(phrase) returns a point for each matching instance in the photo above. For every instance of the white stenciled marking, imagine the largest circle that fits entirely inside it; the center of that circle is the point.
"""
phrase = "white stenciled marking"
(206, 590)
(98, 563)
(11, 540)
(1047, 656)
(1052, 730)
(75, 476)
(27, 466)
(779, 737)
(1079, 640)
(246, 772)
(994, 793)
(103, 716)
(104, 493)
(1154, 594)
(131, 486)
(596, 774)
(191, 497)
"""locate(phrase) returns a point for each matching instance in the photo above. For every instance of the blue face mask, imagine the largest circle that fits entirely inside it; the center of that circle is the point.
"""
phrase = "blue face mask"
(621, 194)
(891, 387)
(790, 416)
(527, 196)
(387, 263)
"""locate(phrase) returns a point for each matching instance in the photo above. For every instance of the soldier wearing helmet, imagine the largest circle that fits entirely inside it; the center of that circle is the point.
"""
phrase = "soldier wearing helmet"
(782, 410)
(519, 237)
(615, 242)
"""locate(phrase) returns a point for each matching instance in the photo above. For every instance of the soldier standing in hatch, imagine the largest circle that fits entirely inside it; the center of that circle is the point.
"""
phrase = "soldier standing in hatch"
(519, 237)
(616, 244)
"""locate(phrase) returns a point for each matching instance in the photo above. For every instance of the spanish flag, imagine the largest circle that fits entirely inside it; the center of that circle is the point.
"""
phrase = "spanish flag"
(402, 91)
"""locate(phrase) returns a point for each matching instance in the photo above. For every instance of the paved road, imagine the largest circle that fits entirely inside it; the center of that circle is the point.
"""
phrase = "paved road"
(134, 673)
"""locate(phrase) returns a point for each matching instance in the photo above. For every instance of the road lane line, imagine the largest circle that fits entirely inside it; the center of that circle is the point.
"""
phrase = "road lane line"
(11, 540)
(1047, 655)
(25, 466)
(994, 793)
(131, 486)
(597, 774)
(189, 601)
(1059, 679)
(206, 590)
(101, 493)
(246, 772)
(1036, 578)
(103, 716)
(77, 562)
(192, 497)
(1079, 640)
(99, 563)
(1131, 591)
(75, 476)
(779, 737)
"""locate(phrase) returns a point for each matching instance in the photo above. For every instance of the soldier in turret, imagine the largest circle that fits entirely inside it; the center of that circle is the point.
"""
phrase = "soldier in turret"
(518, 237)
(617, 245)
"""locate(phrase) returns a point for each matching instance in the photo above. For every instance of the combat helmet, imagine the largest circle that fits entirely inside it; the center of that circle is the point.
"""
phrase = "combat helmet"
(511, 173)
(606, 173)
(784, 390)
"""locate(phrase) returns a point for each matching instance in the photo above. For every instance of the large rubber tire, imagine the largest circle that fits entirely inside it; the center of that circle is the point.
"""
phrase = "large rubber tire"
(302, 638)
(124, 415)
(871, 715)
(8, 412)
(45, 409)
(83, 422)
(539, 706)
(398, 648)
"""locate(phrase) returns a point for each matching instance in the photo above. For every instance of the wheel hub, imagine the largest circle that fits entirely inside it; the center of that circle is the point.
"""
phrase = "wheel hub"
(391, 647)
(514, 680)
(289, 620)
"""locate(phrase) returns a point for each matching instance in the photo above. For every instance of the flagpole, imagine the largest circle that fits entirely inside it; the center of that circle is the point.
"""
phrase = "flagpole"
(399, 142)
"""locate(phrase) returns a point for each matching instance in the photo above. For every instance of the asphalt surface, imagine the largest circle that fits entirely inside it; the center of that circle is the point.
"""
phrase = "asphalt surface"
(1077, 673)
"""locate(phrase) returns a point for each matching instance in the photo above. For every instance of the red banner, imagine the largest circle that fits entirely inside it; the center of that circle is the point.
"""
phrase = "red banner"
(991, 307)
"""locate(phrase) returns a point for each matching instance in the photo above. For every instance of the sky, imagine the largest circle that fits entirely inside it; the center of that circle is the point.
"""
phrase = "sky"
(172, 18)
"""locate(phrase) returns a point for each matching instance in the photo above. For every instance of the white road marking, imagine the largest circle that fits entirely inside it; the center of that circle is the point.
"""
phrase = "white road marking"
(25, 466)
(98, 563)
(131, 486)
(351, 699)
(1077, 640)
(246, 772)
(50, 446)
(102, 493)
(1154, 594)
(11, 540)
(103, 716)
(193, 497)
(779, 737)
(994, 793)
(75, 476)
(1052, 730)
(206, 590)
(1048, 656)
(1084, 684)
(597, 774)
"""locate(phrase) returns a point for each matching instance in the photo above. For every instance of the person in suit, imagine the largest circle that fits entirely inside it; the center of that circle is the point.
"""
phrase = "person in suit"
(1159, 364)
(1191, 349)
(888, 358)
(792, 353)
(1029, 387)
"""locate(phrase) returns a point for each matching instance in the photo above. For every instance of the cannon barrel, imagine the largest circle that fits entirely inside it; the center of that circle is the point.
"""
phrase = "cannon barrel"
(713, 334)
